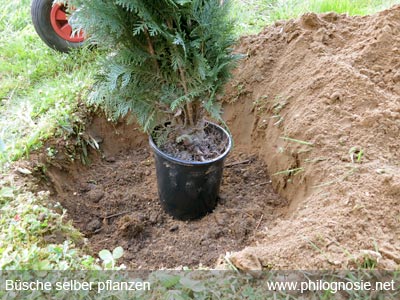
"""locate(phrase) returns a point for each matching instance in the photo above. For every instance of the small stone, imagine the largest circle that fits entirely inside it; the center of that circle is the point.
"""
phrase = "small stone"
(24, 171)
(336, 96)
(147, 173)
(154, 218)
(86, 187)
(110, 159)
(93, 225)
(222, 199)
(246, 262)
(174, 228)
(222, 196)
(95, 195)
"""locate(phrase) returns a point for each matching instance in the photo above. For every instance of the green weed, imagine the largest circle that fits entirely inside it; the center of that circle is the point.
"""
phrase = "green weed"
(110, 258)
(356, 154)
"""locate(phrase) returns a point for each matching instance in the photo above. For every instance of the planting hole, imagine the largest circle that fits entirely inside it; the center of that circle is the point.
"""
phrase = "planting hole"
(114, 202)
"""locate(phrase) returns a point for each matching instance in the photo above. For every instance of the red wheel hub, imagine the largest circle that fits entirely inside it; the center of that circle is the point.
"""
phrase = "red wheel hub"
(59, 22)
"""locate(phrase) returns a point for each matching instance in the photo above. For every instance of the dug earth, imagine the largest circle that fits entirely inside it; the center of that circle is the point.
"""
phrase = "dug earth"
(313, 181)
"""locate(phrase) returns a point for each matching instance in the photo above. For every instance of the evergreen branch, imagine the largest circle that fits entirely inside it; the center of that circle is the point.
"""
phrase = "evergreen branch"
(161, 57)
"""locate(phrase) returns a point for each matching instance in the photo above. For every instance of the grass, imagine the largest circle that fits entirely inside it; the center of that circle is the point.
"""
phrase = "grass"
(39, 87)
(39, 91)
(253, 15)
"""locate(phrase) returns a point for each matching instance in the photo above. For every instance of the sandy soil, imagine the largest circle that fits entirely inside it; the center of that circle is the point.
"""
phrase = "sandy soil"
(321, 96)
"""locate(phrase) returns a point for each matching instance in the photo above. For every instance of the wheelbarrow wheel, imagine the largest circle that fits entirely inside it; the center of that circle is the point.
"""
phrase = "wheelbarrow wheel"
(51, 24)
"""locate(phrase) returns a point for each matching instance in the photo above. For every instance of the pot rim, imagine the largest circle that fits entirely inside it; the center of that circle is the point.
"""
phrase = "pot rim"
(197, 163)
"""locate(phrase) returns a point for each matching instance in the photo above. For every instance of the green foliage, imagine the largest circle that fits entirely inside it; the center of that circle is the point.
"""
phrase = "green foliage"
(109, 259)
(356, 154)
(166, 60)
(25, 223)
(39, 87)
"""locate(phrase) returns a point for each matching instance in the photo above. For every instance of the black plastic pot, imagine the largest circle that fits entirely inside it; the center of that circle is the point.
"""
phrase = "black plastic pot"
(189, 190)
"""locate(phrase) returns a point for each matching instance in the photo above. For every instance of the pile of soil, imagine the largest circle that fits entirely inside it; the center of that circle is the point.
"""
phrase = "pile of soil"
(318, 99)
(317, 104)
(113, 201)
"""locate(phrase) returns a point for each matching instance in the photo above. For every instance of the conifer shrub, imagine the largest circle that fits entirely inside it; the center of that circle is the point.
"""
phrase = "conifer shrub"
(166, 61)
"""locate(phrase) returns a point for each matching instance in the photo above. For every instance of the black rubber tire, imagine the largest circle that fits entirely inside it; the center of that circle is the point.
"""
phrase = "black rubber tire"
(40, 12)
